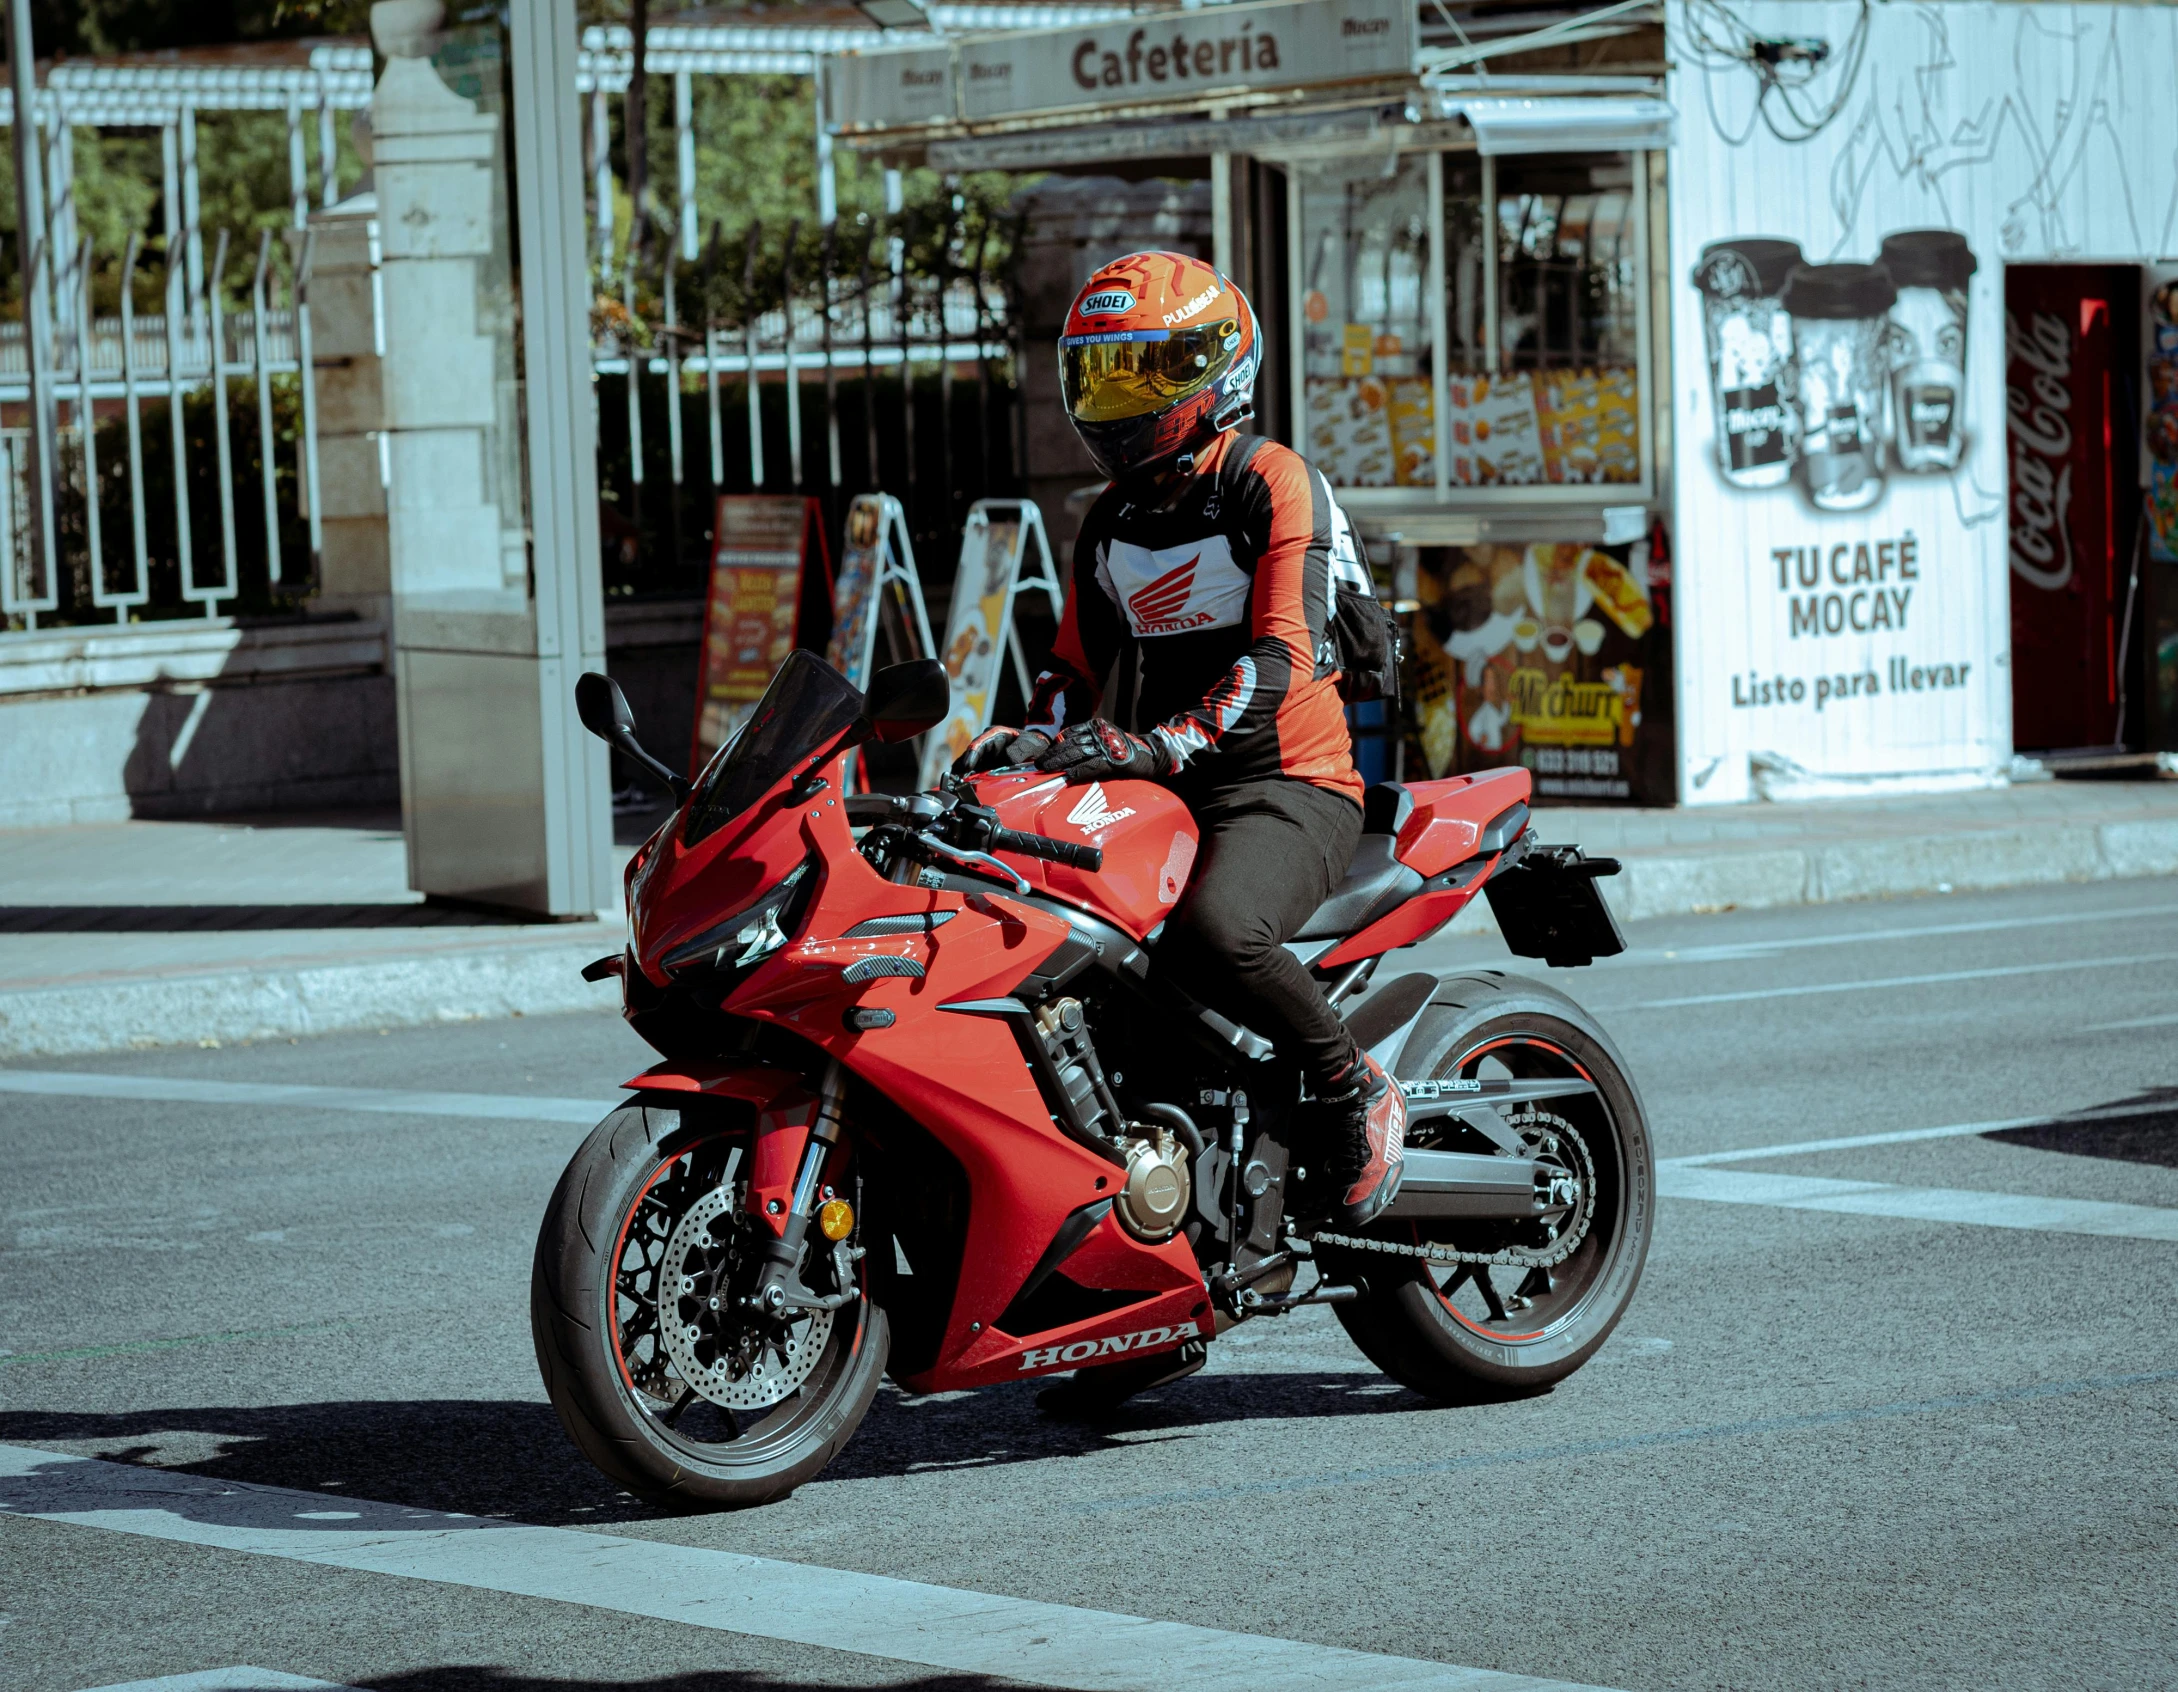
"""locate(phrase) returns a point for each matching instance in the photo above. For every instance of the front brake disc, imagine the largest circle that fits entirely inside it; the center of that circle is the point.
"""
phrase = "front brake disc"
(727, 1358)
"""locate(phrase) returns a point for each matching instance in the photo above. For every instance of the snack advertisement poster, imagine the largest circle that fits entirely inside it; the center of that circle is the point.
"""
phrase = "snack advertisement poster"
(1548, 654)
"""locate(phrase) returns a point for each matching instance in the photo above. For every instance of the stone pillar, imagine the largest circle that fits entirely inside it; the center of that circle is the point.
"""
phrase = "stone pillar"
(504, 802)
(432, 157)
(355, 572)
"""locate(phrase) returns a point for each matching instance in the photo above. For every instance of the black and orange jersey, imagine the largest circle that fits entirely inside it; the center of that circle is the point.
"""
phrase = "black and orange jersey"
(1215, 609)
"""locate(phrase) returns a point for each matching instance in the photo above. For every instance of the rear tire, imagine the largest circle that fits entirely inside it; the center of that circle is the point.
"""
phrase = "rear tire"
(616, 1193)
(1433, 1327)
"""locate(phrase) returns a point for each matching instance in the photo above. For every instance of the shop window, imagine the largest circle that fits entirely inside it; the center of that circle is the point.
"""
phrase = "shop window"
(1366, 314)
(1543, 362)
(1510, 360)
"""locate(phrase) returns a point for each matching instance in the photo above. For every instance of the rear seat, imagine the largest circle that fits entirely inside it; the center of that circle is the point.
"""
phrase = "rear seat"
(1376, 882)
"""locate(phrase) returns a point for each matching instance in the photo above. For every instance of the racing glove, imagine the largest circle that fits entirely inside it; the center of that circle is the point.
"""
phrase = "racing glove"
(1096, 750)
(1002, 748)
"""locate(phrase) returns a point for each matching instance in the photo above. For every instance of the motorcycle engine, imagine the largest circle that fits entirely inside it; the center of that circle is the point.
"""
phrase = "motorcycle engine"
(1153, 1200)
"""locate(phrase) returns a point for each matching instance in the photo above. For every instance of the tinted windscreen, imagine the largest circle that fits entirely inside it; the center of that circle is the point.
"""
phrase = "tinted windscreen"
(804, 709)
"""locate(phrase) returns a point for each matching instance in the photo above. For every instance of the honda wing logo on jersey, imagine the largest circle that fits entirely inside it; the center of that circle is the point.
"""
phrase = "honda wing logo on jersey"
(1093, 810)
(1194, 585)
(1160, 605)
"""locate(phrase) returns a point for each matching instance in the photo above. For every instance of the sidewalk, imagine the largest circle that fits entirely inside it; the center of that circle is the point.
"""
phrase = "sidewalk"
(156, 933)
(162, 933)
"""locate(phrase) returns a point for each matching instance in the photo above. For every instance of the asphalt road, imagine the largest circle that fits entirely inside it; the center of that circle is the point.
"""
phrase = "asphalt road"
(1867, 1446)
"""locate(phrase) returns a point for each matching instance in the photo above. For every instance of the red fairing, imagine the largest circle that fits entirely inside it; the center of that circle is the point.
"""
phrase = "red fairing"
(1443, 833)
(1417, 919)
(961, 1075)
(1148, 837)
(1450, 815)
(960, 1072)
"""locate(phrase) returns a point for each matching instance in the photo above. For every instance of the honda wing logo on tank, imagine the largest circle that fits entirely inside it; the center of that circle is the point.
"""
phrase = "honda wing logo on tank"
(1094, 811)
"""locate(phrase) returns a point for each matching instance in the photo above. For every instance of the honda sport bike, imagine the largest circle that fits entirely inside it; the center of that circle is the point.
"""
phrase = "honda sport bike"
(927, 1106)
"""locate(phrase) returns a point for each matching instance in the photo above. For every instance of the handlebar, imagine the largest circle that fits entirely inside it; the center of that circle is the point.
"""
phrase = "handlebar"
(972, 822)
(1044, 846)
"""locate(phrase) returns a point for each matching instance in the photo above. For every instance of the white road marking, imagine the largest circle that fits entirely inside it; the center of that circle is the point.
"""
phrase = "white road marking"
(2137, 1022)
(1898, 981)
(1919, 1204)
(897, 1620)
(1904, 1136)
(383, 1101)
(242, 1678)
(1738, 950)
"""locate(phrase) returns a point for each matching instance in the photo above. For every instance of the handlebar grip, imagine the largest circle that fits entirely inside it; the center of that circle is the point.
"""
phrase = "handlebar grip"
(1043, 846)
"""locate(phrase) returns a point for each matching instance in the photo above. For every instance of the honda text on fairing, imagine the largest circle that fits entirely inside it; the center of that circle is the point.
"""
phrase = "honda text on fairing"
(926, 1106)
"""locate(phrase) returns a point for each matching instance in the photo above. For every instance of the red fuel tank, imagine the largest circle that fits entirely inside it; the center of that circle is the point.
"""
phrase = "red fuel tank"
(1147, 835)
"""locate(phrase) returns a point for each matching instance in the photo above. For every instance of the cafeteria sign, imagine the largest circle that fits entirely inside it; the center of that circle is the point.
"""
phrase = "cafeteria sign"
(1132, 61)
(752, 614)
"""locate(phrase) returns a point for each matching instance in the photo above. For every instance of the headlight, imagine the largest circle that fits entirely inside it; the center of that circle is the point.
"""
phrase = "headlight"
(752, 934)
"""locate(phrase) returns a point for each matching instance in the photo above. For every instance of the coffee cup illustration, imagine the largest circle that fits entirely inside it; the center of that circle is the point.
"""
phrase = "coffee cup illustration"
(1751, 374)
(1926, 345)
(1840, 325)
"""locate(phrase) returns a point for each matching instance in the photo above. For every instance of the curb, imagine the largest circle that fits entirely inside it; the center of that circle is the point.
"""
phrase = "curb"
(252, 1004)
(1752, 877)
(542, 980)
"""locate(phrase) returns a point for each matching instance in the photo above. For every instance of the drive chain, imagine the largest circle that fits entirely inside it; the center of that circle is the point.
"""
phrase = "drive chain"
(1509, 1257)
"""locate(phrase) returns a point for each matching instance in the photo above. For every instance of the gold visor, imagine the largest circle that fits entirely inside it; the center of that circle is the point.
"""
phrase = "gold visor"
(1132, 373)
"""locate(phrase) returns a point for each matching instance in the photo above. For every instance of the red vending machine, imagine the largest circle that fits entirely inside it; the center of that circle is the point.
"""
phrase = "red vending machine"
(2071, 378)
(2159, 484)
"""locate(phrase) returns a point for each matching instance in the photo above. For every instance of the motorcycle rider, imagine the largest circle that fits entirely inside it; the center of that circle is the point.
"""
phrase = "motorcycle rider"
(1203, 581)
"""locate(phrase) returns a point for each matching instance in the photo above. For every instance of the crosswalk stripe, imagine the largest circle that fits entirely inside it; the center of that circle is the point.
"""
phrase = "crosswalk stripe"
(872, 1615)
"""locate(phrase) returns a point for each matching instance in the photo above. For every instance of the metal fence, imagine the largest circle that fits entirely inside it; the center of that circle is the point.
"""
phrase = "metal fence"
(166, 489)
(873, 354)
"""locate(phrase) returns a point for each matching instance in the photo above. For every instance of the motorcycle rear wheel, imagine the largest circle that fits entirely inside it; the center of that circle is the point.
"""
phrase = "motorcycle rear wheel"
(1464, 1334)
(594, 1306)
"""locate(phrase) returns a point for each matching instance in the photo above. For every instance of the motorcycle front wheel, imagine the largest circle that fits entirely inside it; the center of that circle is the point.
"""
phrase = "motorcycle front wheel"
(633, 1301)
(1462, 1331)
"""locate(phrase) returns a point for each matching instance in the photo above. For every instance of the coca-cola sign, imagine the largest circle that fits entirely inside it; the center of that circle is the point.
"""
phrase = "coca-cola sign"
(2038, 406)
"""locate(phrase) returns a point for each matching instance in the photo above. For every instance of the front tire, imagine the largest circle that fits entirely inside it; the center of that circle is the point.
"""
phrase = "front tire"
(1461, 1333)
(594, 1303)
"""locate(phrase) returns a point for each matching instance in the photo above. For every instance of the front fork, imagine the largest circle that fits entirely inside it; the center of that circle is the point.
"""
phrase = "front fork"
(779, 1291)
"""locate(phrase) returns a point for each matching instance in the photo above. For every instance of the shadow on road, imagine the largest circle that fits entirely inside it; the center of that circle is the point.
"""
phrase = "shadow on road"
(502, 1458)
(2146, 1133)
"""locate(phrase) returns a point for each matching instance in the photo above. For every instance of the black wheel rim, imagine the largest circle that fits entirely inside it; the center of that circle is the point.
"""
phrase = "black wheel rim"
(1511, 1304)
(671, 1411)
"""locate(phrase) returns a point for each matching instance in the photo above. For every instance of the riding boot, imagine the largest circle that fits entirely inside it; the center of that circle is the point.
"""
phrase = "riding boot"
(1355, 1133)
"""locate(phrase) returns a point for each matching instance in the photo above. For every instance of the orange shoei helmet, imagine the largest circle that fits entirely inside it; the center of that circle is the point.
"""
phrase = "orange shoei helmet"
(1158, 356)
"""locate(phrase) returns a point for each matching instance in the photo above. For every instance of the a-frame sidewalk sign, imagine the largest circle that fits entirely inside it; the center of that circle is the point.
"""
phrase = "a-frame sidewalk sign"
(763, 601)
(996, 567)
(878, 591)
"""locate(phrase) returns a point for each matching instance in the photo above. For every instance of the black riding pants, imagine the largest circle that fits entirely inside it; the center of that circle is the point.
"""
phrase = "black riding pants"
(1271, 852)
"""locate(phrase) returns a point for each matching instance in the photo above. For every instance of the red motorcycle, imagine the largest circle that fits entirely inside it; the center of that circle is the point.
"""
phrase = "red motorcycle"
(927, 1105)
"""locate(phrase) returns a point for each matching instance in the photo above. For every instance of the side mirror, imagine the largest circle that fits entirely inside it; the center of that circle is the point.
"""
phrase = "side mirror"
(602, 707)
(906, 700)
(604, 711)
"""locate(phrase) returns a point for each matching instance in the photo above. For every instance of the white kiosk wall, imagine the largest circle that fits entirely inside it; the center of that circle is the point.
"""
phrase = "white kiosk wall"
(1840, 475)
